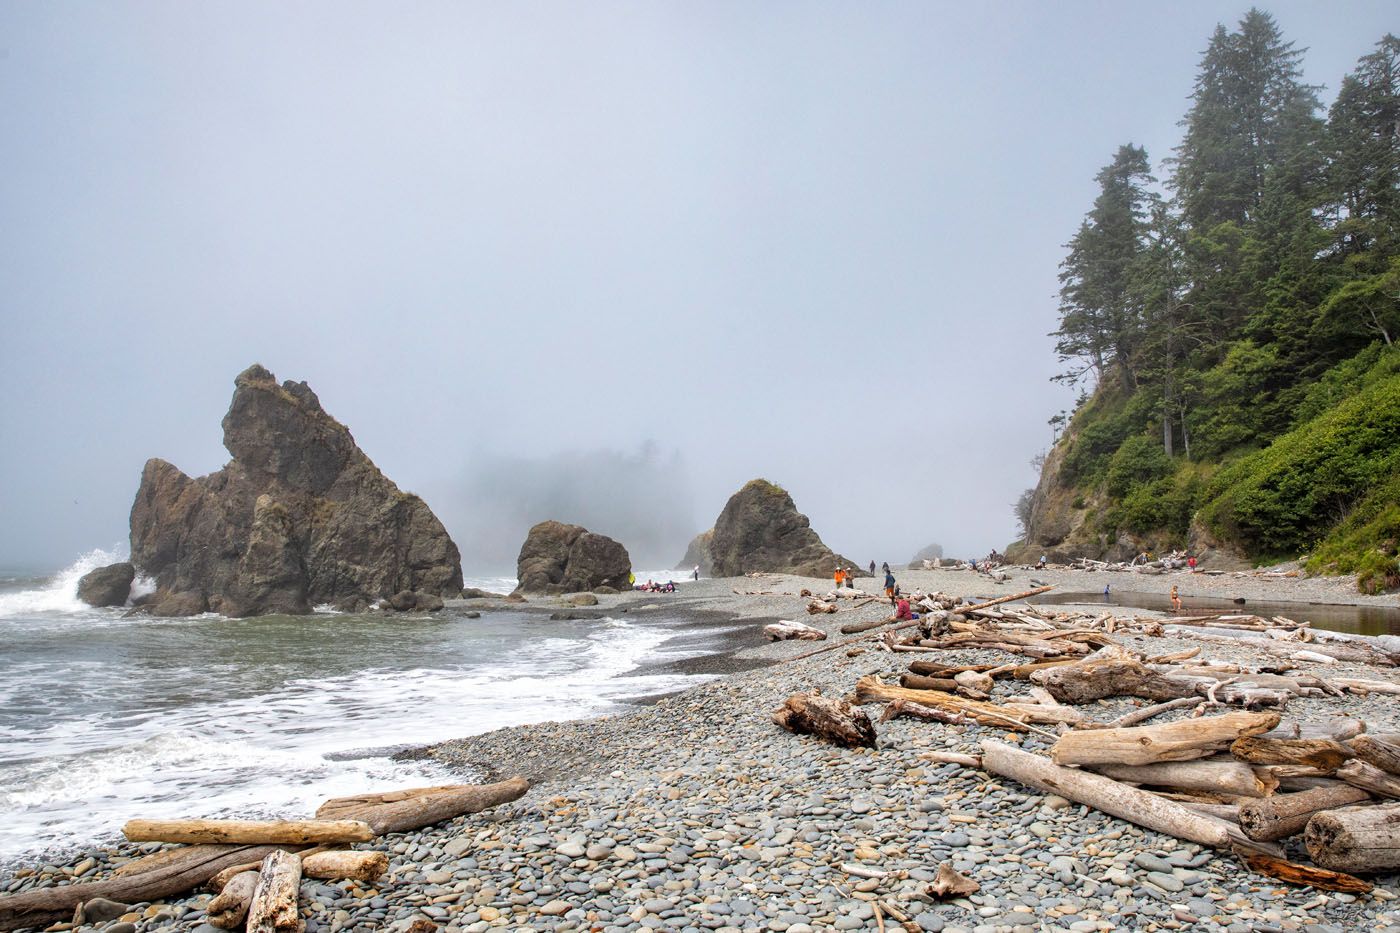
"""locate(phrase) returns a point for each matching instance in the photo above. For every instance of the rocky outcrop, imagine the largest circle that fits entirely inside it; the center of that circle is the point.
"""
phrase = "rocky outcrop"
(760, 529)
(1065, 525)
(698, 554)
(299, 517)
(107, 586)
(559, 558)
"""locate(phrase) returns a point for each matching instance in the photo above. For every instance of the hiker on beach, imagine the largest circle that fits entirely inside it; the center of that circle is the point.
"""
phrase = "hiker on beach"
(839, 576)
(1040, 564)
(889, 586)
(695, 574)
(886, 568)
(850, 578)
(1191, 563)
(872, 568)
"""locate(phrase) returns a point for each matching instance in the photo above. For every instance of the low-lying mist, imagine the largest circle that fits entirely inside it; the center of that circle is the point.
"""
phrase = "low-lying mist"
(641, 498)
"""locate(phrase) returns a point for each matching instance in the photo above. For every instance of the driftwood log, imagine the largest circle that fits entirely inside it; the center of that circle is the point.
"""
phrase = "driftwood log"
(835, 721)
(1323, 754)
(273, 908)
(851, 628)
(920, 682)
(1370, 778)
(173, 875)
(357, 865)
(788, 629)
(1285, 815)
(1356, 839)
(1226, 777)
(229, 908)
(403, 810)
(249, 832)
(897, 708)
(1171, 741)
(1377, 752)
(1102, 793)
(869, 689)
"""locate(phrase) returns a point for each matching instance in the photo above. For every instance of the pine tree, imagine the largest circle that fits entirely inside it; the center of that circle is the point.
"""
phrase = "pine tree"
(1363, 134)
(1250, 116)
(1100, 318)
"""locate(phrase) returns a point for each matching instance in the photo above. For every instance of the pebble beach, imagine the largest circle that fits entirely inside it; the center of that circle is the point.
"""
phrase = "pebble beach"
(695, 812)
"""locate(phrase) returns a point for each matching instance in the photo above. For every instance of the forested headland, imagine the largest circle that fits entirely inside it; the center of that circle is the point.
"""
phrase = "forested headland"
(1232, 325)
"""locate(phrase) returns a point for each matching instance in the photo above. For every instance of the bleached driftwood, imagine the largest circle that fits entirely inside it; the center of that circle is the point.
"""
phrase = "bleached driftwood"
(1184, 740)
(788, 629)
(399, 811)
(249, 832)
(273, 908)
(1103, 793)
(1285, 815)
(1226, 777)
(1356, 839)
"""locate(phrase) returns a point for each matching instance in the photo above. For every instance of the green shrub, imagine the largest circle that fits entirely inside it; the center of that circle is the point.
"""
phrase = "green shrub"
(1285, 498)
(1138, 462)
(1099, 430)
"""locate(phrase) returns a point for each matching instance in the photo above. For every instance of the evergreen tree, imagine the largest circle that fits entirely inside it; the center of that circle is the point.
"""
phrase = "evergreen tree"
(1250, 115)
(1100, 317)
(1364, 140)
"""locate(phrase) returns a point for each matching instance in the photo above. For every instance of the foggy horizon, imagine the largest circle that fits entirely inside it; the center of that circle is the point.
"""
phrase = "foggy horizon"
(611, 260)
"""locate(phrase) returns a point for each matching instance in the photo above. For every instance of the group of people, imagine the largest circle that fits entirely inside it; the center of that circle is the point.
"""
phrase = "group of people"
(653, 587)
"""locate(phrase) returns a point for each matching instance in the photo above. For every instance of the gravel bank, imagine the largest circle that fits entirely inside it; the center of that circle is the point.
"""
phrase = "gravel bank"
(696, 813)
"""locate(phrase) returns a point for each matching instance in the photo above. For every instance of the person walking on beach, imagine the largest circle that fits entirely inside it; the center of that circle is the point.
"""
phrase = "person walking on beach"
(850, 578)
(884, 567)
(872, 568)
(1191, 563)
(1176, 599)
(889, 585)
(695, 574)
(839, 576)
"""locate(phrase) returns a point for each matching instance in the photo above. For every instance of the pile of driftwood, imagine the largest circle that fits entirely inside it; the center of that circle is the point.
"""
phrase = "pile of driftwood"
(256, 866)
(1230, 775)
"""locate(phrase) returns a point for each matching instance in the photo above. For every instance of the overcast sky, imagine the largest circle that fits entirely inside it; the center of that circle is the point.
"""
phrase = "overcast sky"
(812, 242)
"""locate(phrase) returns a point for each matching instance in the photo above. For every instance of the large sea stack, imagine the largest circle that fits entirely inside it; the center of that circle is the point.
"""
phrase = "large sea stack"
(760, 529)
(558, 558)
(299, 517)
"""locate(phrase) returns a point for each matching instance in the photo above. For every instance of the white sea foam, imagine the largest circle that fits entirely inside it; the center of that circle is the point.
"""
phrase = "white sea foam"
(61, 592)
(151, 737)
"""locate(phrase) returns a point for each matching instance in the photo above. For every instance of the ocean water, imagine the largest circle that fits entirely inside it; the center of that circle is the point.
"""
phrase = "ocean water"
(105, 717)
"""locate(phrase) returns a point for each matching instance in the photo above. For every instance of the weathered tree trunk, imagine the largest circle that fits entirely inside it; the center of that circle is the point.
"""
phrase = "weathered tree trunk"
(1103, 793)
(1356, 839)
(833, 720)
(1339, 730)
(404, 810)
(1226, 777)
(358, 865)
(1323, 754)
(851, 628)
(897, 708)
(1377, 752)
(1285, 815)
(247, 832)
(274, 905)
(173, 875)
(820, 606)
(786, 629)
(228, 909)
(919, 682)
(1171, 741)
(869, 689)
(1109, 672)
(1369, 777)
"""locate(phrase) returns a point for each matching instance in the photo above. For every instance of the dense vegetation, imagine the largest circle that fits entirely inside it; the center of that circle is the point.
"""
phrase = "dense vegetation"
(1236, 320)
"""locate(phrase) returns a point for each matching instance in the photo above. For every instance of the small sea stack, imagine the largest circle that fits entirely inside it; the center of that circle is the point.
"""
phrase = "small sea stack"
(558, 558)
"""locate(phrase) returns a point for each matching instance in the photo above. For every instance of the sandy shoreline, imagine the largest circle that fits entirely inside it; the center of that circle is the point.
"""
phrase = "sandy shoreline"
(696, 813)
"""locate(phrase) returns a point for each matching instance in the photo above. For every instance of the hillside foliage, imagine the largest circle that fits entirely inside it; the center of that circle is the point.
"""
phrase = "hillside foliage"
(1237, 319)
